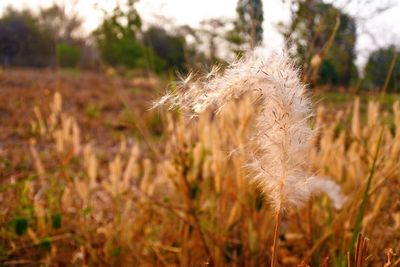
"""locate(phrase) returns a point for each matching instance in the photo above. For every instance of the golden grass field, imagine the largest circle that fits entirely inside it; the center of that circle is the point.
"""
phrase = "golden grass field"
(91, 177)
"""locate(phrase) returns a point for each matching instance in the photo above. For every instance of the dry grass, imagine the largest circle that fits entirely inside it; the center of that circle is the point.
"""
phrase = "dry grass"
(186, 200)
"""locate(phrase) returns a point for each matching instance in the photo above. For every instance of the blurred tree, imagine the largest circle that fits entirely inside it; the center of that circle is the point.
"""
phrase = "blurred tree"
(117, 37)
(383, 66)
(62, 24)
(168, 49)
(248, 31)
(324, 37)
(68, 55)
(23, 42)
(195, 57)
(213, 30)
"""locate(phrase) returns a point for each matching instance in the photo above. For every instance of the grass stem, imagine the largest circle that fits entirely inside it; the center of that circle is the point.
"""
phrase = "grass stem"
(276, 238)
(364, 201)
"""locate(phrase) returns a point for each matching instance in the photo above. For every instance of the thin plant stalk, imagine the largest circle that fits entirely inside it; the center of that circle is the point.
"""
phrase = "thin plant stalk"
(276, 238)
(389, 73)
(364, 201)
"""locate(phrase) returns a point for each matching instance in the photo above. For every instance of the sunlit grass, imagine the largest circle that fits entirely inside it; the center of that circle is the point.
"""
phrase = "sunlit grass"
(184, 198)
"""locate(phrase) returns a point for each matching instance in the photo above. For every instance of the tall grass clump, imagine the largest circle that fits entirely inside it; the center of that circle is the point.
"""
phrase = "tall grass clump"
(281, 137)
(71, 198)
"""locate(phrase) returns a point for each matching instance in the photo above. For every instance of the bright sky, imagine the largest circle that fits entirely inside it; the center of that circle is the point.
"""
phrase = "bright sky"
(377, 31)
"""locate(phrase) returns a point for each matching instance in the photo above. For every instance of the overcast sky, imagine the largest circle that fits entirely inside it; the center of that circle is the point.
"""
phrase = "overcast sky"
(375, 30)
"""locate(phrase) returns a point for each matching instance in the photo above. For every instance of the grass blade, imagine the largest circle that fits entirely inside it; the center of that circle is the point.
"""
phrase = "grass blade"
(364, 201)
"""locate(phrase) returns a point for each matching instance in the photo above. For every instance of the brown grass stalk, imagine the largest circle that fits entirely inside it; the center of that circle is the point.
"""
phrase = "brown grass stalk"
(274, 257)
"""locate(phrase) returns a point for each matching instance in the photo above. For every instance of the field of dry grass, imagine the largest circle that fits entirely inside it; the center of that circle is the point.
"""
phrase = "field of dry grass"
(90, 177)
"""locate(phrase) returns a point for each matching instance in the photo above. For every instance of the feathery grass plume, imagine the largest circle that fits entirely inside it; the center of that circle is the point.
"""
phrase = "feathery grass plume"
(282, 136)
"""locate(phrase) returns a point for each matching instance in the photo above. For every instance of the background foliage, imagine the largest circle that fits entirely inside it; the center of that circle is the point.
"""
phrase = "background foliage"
(323, 35)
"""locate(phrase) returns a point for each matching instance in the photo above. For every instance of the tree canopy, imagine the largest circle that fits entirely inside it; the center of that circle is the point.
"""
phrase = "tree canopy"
(377, 69)
(117, 37)
(247, 32)
(168, 49)
(23, 42)
(324, 37)
(62, 24)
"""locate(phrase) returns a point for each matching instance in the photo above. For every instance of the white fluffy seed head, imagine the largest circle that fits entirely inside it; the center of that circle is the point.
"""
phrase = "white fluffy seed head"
(281, 133)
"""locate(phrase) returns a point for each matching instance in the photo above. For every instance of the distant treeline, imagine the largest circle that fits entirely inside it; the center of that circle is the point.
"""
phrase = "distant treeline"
(43, 40)
(324, 38)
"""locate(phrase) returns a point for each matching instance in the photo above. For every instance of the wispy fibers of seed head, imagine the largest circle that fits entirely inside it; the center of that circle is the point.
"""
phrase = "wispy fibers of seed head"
(282, 137)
